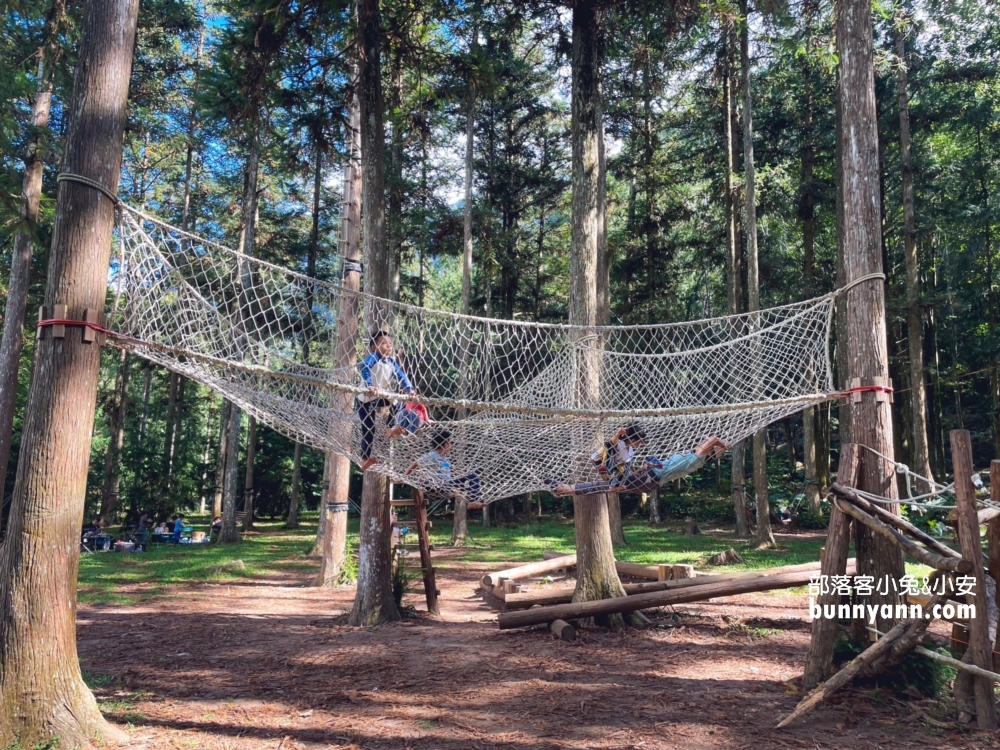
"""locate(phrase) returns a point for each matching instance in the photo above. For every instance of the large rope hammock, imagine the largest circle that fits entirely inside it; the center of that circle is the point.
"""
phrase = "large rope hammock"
(525, 403)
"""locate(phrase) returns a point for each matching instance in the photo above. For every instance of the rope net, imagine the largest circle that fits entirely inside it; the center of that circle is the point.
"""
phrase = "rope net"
(525, 403)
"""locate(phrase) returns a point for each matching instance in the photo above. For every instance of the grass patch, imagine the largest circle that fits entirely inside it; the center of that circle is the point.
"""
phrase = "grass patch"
(104, 575)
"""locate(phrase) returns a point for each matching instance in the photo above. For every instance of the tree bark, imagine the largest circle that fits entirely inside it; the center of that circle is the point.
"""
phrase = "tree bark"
(765, 537)
(914, 315)
(615, 520)
(249, 220)
(336, 490)
(43, 697)
(460, 529)
(220, 460)
(596, 574)
(807, 215)
(228, 534)
(292, 520)
(248, 491)
(734, 264)
(859, 245)
(116, 431)
(373, 603)
(12, 340)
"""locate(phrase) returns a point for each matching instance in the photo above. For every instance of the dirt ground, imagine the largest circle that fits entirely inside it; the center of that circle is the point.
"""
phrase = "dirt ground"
(272, 664)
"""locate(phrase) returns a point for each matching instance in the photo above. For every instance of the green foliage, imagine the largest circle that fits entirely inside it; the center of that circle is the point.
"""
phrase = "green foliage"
(930, 677)
(401, 577)
(807, 518)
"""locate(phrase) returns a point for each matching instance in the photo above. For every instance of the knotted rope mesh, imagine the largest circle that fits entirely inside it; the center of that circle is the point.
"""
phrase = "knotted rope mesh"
(525, 403)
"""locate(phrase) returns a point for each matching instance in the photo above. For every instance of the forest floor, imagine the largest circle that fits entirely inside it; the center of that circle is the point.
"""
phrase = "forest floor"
(187, 648)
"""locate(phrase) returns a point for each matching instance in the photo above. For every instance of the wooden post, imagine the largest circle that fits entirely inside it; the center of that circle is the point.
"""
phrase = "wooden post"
(819, 659)
(678, 572)
(423, 527)
(980, 647)
(563, 630)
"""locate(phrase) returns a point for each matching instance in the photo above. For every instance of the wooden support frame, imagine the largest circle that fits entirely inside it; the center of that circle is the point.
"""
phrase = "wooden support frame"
(914, 550)
(819, 659)
(980, 648)
(426, 565)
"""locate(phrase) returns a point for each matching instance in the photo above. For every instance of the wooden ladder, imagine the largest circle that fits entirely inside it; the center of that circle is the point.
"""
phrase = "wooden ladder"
(419, 505)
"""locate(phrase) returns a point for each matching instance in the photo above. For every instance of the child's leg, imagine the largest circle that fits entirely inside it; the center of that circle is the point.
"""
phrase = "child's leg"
(470, 484)
(366, 413)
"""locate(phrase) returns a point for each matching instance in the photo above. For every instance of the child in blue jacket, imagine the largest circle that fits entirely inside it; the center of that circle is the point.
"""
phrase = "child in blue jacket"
(380, 372)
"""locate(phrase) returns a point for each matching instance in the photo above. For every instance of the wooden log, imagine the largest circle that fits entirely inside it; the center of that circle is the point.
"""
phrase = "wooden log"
(563, 630)
(531, 569)
(833, 561)
(547, 595)
(914, 550)
(893, 520)
(728, 557)
(895, 643)
(980, 646)
(509, 587)
(988, 514)
(681, 572)
(663, 572)
(401, 503)
(637, 571)
(427, 567)
(682, 595)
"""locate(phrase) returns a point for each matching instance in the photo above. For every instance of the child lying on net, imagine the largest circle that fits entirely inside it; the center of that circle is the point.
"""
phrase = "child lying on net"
(648, 476)
(433, 469)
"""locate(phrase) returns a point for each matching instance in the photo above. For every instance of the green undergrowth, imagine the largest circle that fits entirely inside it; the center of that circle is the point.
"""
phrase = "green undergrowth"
(931, 678)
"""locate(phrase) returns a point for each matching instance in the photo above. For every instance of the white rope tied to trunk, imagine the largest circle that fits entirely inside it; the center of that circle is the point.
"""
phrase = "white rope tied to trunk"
(525, 403)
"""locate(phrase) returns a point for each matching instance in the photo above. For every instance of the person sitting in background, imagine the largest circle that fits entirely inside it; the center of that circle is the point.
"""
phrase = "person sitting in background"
(178, 528)
(162, 528)
(93, 527)
(216, 526)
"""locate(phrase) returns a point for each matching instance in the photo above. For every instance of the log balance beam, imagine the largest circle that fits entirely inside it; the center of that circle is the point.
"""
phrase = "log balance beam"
(700, 591)
(549, 595)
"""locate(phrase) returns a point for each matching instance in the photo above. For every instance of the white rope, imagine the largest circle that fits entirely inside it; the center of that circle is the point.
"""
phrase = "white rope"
(525, 403)
(913, 500)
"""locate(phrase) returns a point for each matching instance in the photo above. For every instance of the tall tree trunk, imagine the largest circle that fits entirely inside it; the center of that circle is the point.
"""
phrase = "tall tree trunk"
(460, 528)
(229, 533)
(230, 483)
(24, 243)
(248, 490)
(116, 432)
(220, 460)
(860, 250)
(765, 537)
(914, 315)
(373, 603)
(202, 482)
(734, 265)
(596, 574)
(43, 697)
(807, 215)
(337, 469)
(292, 519)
